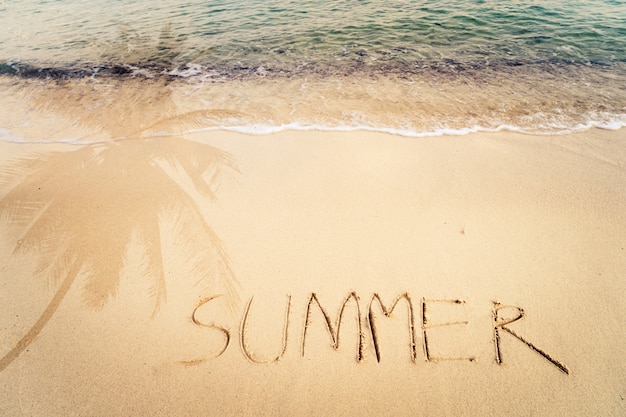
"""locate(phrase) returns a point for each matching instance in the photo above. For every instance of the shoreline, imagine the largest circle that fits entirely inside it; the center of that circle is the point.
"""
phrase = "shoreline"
(101, 109)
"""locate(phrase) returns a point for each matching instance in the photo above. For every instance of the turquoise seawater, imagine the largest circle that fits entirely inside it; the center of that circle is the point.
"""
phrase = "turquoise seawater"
(330, 33)
(573, 52)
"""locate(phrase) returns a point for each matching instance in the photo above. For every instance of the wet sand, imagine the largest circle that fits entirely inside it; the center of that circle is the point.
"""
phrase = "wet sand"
(506, 253)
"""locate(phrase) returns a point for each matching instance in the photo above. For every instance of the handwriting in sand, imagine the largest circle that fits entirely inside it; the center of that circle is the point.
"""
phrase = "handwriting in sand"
(367, 327)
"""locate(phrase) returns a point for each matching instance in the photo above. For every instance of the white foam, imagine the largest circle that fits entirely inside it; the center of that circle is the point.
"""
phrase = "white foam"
(605, 121)
(190, 70)
(8, 137)
(261, 129)
(612, 125)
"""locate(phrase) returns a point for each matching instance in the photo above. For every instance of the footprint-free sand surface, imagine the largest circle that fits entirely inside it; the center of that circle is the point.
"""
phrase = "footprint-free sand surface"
(218, 273)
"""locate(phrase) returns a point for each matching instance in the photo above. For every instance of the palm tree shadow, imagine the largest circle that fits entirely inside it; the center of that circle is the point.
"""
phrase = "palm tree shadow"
(79, 210)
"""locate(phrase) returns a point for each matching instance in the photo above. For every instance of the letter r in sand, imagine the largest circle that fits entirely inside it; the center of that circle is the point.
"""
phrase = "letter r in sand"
(500, 324)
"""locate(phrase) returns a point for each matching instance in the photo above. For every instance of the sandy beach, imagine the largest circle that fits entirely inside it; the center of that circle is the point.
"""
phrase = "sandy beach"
(238, 277)
(312, 208)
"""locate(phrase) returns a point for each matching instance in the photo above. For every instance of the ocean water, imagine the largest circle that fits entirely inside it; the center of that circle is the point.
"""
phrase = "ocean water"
(408, 67)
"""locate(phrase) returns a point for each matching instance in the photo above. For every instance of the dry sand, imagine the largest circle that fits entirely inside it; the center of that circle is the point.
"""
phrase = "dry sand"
(458, 223)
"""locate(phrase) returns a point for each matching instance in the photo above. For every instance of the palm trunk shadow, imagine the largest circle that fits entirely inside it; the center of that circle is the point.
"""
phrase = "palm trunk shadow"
(41, 322)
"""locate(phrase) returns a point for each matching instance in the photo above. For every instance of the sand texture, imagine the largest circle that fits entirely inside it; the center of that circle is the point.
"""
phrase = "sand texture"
(222, 274)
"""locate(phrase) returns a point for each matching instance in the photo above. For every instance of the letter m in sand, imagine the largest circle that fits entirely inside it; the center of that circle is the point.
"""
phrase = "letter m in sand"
(333, 329)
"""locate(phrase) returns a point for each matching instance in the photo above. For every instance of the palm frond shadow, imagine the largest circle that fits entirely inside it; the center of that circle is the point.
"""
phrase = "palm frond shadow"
(79, 210)
(55, 207)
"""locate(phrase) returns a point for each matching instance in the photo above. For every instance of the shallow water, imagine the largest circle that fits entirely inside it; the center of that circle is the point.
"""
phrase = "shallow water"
(414, 68)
